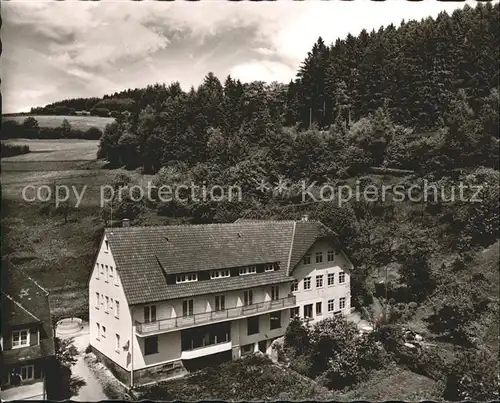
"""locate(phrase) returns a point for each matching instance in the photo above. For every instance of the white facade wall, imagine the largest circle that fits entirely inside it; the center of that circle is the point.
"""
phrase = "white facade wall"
(239, 330)
(325, 293)
(109, 287)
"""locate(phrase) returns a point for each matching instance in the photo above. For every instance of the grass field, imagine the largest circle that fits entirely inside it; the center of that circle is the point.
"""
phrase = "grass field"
(77, 122)
(393, 383)
(54, 150)
(59, 256)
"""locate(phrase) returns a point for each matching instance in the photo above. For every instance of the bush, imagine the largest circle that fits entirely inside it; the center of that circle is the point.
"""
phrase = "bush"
(102, 112)
(93, 133)
(421, 361)
(88, 349)
(302, 364)
(474, 375)
(8, 150)
(297, 337)
(45, 208)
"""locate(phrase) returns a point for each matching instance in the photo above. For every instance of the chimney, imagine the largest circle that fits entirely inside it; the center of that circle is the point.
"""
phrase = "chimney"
(125, 223)
(305, 217)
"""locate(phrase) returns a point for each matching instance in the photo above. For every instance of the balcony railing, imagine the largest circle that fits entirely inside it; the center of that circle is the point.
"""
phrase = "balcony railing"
(179, 322)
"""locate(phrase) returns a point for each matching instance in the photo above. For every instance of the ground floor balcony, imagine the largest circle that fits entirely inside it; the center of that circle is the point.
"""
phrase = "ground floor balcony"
(205, 340)
(205, 318)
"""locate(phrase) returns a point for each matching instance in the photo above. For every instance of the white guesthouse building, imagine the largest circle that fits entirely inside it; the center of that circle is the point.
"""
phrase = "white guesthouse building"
(165, 299)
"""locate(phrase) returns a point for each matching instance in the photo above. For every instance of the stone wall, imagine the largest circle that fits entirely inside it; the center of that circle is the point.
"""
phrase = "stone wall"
(159, 373)
(119, 372)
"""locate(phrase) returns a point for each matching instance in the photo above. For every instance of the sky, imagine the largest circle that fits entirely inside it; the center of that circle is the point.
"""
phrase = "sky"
(71, 49)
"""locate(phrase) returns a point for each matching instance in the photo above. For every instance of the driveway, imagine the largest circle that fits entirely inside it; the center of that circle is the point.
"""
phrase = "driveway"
(91, 390)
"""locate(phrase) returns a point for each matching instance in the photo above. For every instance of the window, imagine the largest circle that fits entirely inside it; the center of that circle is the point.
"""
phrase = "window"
(319, 281)
(294, 312)
(331, 305)
(116, 279)
(150, 313)
(308, 311)
(117, 346)
(247, 349)
(220, 302)
(97, 271)
(102, 269)
(98, 326)
(20, 338)
(27, 372)
(248, 270)
(330, 255)
(307, 283)
(107, 273)
(106, 243)
(253, 325)
(111, 304)
(187, 307)
(107, 305)
(103, 332)
(342, 303)
(331, 278)
(275, 292)
(117, 309)
(248, 297)
(111, 274)
(319, 257)
(186, 278)
(269, 267)
(97, 300)
(307, 258)
(319, 307)
(275, 320)
(150, 345)
(220, 273)
(295, 286)
(342, 277)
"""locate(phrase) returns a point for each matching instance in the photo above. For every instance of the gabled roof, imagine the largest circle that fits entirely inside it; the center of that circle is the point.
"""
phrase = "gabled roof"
(145, 255)
(306, 234)
(25, 303)
(15, 313)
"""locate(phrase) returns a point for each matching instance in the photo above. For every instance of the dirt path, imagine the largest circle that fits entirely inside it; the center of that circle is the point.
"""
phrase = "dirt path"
(92, 390)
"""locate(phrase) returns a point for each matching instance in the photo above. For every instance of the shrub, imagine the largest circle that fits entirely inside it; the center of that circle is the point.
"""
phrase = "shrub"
(93, 133)
(297, 337)
(8, 150)
(45, 208)
(421, 361)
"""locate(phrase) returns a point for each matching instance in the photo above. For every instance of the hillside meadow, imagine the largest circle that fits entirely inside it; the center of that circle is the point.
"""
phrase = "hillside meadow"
(54, 150)
(76, 122)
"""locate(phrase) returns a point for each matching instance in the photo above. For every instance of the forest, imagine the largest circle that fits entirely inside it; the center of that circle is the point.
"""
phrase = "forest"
(421, 98)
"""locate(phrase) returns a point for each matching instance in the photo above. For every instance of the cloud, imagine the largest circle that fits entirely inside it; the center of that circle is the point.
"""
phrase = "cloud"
(56, 50)
(263, 70)
(264, 51)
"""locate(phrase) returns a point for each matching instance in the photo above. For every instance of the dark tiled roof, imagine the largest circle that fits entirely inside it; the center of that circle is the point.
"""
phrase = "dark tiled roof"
(224, 285)
(24, 303)
(14, 313)
(144, 255)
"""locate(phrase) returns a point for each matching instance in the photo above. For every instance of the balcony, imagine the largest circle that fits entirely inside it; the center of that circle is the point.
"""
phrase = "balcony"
(198, 319)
